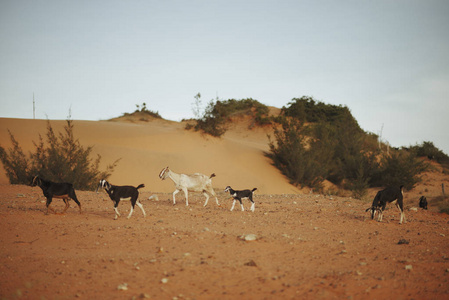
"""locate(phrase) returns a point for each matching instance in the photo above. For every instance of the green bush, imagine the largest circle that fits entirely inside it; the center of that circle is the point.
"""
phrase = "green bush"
(61, 159)
(399, 168)
(217, 113)
(333, 147)
(291, 154)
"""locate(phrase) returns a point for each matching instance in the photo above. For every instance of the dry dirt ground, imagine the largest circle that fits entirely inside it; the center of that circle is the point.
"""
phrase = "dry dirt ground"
(306, 247)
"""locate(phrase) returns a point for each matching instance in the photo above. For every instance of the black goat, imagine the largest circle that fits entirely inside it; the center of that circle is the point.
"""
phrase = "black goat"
(126, 192)
(423, 202)
(391, 194)
(64, 191)
(239, 195)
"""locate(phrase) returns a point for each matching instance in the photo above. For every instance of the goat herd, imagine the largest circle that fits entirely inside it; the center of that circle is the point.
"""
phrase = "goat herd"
(197, 183)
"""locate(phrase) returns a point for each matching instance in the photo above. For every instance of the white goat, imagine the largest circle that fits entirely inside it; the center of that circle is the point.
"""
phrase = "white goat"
(195, 183)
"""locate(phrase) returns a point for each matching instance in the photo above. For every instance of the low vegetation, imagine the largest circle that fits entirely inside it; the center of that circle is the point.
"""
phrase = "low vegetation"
(142, 113)
(61, 159)
(317, 142)
(217, 113)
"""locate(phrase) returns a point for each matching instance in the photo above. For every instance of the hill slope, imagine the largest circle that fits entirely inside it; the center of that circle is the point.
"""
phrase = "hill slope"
(146, 147)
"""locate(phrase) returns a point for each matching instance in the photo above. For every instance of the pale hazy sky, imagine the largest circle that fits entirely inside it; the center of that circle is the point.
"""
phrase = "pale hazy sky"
(388, 61)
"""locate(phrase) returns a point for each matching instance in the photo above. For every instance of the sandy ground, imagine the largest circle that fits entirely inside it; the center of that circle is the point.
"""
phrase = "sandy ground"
(306, 247)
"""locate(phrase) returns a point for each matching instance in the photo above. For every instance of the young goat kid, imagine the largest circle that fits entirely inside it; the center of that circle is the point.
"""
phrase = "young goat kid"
(64, 191)
(239, 195)
(391, 194)
(126, 192)
(195, 183)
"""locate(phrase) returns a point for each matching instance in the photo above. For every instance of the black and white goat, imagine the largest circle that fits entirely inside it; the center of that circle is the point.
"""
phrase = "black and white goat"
(423, 202)
(388, 195)
(239, 195)
(126, 192)
(64, 191)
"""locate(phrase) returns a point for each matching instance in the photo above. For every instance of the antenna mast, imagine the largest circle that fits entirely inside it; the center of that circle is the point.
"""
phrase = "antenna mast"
(34, 108)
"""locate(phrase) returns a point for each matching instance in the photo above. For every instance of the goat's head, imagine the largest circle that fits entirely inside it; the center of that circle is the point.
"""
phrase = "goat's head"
(36, 181)
(373, 211)
(227, 189)
(164, 173)
(104, 184)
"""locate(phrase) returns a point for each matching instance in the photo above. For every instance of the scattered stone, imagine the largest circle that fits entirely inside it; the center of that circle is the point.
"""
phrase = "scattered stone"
(155, 197)
(164, 280)
(442, 234)
(144, 296)
(251, 263)
(413, 209)
(122, 287)
(249, 237)
(408, 267)
(403, 241)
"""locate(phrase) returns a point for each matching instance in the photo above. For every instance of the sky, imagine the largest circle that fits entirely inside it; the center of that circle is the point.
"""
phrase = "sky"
(387, 61)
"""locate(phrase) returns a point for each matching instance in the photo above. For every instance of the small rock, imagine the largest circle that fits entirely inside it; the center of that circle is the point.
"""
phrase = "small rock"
(122, 287)
(251, 263)
(403, 241)
(164, 280)
(249, 237)
(408, 267)
(413, 209)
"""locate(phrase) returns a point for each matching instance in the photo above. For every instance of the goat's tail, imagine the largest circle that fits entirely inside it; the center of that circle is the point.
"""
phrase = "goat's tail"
(213, 175)
(253, 189)
(140, 186)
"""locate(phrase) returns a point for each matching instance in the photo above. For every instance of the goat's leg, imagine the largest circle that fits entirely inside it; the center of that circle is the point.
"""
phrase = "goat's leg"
(212, 192)
(174, 193)
(252, 202)
(401, 211)
(241, 204)
(132, 209)
(233, 204)
(117, 214)
(48, 206)
(380, 215)
(207, 198)
(66, 201)
(73, 196)
(186, 193)
(141, 207)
